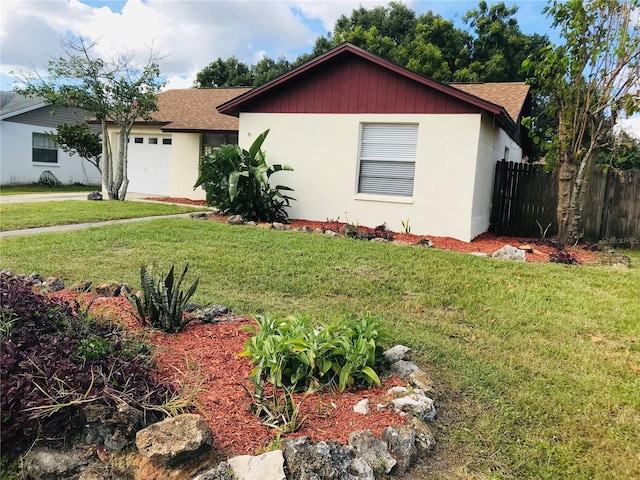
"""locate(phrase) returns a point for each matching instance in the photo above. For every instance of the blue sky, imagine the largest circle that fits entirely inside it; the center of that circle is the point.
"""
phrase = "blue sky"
(189, 34)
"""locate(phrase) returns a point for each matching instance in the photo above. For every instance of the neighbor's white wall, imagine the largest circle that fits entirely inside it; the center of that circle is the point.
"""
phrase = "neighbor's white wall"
(493, 139)
(323, 150)
(16, 154)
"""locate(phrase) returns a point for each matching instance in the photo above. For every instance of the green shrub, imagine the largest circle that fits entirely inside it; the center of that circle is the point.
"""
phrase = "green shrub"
(236, 181)
(161, 304)
(289, 352)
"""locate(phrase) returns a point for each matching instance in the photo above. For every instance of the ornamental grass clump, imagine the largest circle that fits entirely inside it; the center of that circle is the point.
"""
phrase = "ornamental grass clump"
(55, 359)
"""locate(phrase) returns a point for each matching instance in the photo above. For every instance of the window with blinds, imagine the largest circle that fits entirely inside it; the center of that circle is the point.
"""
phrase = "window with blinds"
(387, 159)
(44, 149)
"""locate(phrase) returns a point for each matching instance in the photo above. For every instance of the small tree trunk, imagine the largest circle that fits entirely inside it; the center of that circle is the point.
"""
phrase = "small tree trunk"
(107, 157)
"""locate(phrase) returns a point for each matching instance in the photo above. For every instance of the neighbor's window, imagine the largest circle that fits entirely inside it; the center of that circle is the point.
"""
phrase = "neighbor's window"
(153, 141)
(387, 159)
(45, 150)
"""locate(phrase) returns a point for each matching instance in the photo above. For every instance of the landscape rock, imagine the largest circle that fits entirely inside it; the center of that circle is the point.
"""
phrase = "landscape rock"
(362, 406)
(306, 229)
(97, 196)
(402, 445)
(268, 466)
(404, 368)
(416, 404)
(81, 286)
(396, 353)
(174, 440)
(425, 242)
(372, 450)
(331, 233)
(398, 391)
(54, 284)
(199, 215)
(191, 307)
(510, 253)
(236, 220)
(108, 289)
(425, 439)
(318, 230)
(41, 463)
(221, 472)
(422, 381)
(210, 315)
(35, 279)
(113, 427)
(379, 240)
(280, 226)
(615, 260)
(479, 254)
(252, 224)
(324, 461)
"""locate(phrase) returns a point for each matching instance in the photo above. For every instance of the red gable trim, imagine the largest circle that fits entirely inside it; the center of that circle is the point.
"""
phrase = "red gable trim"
(260, 94)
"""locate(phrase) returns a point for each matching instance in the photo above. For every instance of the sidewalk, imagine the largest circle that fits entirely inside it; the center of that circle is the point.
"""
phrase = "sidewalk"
(82, 226)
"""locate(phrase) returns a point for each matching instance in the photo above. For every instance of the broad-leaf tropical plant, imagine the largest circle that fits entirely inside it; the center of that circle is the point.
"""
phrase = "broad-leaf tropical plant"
(236, 181)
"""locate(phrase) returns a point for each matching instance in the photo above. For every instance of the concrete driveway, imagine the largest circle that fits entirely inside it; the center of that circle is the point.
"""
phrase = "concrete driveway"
(53, 197)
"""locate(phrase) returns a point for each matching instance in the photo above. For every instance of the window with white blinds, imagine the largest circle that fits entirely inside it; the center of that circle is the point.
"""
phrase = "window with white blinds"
(387, 159)
(44, 150)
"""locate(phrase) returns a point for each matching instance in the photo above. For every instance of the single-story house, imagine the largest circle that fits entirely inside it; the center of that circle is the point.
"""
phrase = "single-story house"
(375, 143)
(25, 149)
(164, 155)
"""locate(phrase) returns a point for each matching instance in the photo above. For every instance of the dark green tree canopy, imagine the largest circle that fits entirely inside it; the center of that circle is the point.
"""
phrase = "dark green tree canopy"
(224, 73)
(78, 138)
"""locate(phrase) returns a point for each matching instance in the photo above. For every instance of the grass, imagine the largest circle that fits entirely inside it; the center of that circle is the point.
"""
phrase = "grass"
(45, 214)
(534, 363)
(40, 188)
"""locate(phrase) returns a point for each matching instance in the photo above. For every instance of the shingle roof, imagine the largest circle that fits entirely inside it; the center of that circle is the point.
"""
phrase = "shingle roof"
(510, 95)
(194, 109)
(12, 102)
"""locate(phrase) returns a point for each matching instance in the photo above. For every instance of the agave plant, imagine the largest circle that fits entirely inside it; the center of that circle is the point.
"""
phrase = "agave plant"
(161, 304)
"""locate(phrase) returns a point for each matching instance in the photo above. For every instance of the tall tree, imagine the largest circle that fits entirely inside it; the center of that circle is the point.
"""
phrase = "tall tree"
(592, 78)
(267, 69)
(115, 90)
(224, 73)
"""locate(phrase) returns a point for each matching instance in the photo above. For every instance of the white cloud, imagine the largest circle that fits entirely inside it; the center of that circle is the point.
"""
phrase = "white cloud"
(188, 34)
(630, 125)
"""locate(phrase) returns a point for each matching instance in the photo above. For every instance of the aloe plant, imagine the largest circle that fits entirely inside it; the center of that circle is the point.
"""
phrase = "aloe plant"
(161, 304)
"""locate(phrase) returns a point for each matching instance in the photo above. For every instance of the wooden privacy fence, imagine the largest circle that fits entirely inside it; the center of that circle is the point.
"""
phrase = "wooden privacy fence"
(525, 201)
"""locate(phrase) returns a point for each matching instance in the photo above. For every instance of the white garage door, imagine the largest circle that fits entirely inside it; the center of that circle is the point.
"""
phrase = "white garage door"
(150, 164)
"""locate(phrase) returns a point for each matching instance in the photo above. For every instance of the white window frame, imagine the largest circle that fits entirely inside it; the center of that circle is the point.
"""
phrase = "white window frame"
(386, 161)
(41, 141)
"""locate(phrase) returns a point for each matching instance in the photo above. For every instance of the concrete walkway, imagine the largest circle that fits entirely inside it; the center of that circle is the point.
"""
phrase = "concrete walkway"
(52, 197)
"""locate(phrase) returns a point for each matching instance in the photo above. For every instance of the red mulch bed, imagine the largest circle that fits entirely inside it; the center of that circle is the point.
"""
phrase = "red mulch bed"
(205, 354)
(485, 243)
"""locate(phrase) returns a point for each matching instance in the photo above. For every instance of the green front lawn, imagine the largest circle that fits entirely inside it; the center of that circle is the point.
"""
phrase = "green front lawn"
(16, 216)
(535, 365)
(39, 188)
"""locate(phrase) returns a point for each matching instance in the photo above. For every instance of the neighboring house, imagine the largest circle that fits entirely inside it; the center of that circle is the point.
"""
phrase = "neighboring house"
(374, 143)
(25, 149)
(164, 155)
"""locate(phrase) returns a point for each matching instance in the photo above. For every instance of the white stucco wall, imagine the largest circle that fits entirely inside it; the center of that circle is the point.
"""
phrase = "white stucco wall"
(16, 166)
(323, 150)
(491, 148)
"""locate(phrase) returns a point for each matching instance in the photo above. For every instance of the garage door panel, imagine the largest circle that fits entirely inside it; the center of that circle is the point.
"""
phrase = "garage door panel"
(149, 165)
